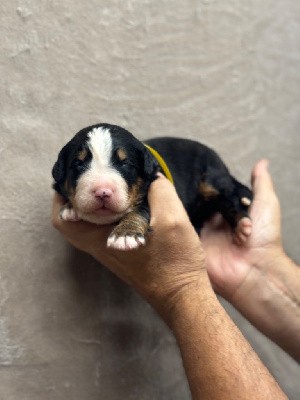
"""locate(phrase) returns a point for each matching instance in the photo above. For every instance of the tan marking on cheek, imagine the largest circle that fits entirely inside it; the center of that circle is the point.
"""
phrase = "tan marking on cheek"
(72, 199)
(121, 153)
(134, 194)
(71, 196)
(82, 155)
(68, 188)
(208, 191)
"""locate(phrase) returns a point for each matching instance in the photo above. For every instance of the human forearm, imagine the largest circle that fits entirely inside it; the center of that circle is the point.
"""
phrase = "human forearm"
(270, 299)
(219, 362)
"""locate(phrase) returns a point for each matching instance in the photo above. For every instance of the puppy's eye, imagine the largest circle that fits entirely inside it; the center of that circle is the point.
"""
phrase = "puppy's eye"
(123, 162)
(78, 164)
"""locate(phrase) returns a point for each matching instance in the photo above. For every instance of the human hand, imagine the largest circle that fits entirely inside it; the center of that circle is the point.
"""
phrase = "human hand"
(172, 260)
(228, 264)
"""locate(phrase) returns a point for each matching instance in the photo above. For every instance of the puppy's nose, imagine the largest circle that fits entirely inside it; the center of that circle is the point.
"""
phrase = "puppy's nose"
(103, 193)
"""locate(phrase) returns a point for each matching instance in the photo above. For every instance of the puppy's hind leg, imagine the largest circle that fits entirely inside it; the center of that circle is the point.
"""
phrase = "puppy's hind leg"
(231, 198)
(242, 197)
(235, 207)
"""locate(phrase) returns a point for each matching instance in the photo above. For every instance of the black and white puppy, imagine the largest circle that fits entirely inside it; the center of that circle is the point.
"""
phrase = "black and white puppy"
(104, 174)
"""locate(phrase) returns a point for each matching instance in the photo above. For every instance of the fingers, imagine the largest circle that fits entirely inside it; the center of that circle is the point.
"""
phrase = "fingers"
(262, 183)
(163, 199)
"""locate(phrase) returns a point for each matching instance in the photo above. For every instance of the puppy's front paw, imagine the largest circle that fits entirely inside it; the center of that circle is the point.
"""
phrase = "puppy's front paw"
(68, 214)
(130, 233)
(126, 242)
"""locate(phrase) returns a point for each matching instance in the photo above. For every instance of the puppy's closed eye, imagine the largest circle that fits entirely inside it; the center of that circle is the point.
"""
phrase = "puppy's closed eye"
(77, 162)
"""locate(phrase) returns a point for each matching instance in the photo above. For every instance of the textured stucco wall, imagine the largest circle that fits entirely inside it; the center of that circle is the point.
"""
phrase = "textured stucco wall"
(226, 73)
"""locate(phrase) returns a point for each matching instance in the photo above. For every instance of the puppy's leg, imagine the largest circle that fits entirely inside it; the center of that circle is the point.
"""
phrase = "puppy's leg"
(131, 231)
(241, 198)
(226, 195)
(67, 213)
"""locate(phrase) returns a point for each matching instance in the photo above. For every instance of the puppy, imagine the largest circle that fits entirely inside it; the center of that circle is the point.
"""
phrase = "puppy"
(104, 174)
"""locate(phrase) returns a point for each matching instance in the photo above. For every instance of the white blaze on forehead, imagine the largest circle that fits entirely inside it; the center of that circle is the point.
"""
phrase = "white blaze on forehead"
(101, 174)
(100, 144)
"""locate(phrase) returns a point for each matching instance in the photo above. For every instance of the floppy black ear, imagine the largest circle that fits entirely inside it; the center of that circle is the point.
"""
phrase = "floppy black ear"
(151, 166)
(59, 170)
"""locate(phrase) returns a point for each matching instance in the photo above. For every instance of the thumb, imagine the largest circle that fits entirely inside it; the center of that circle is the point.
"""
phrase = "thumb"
(262, 183)
(163, 199)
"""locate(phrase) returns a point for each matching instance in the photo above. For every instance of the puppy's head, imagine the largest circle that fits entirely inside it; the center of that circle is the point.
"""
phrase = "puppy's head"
(104, 172)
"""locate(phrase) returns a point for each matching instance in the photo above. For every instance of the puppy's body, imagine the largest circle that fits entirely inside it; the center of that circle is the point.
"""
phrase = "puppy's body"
(104, 173)
(203, 181)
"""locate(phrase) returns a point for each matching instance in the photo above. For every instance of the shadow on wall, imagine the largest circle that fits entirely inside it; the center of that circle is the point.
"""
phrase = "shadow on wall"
(133, 343)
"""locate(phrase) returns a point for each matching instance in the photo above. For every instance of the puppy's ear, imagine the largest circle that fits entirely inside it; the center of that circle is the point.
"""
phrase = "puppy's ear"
(59, 170)
(151, 166)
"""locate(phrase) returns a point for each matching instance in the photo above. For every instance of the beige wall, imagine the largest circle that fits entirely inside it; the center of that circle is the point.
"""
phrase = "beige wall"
(225, 73)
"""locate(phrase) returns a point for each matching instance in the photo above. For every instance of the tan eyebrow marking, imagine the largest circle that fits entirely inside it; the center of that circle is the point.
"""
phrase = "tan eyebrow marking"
(121, 153)
(82, 155)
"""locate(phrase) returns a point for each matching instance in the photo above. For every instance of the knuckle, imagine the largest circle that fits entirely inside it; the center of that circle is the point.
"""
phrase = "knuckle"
(172, 222)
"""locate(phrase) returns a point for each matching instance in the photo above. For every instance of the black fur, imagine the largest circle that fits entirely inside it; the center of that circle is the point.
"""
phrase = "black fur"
(191, 163)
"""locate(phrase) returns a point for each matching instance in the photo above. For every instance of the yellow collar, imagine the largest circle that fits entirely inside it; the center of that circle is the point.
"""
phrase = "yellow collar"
(161, 162)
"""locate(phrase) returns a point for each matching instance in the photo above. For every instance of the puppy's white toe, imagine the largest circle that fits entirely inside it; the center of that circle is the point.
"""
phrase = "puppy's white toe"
(125, 242)
(246, 201)
(120, 243)
(110, 241)
(131, 243)
(141, 240)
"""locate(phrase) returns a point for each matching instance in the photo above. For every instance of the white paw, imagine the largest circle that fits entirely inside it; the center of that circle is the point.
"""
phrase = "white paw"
(68, 214)
(125, 242)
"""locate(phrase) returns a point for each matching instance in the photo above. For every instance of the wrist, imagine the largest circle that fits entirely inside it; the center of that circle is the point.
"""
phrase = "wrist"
(269, 298)
(267, 267)
(181, 301)
(275, 267)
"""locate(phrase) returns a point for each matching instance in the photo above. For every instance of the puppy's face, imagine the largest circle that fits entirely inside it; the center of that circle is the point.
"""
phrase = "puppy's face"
(103, 172)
